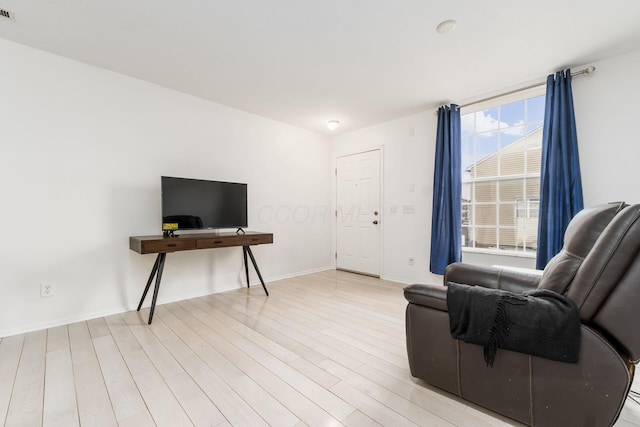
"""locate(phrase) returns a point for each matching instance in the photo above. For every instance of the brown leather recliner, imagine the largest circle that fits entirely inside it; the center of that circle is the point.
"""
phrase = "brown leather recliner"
(599, 269)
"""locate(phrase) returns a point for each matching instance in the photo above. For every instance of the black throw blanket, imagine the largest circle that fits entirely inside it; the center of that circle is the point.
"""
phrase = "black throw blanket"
(540, 322)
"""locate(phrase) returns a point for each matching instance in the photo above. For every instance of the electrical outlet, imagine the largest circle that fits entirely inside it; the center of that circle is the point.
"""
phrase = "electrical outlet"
(46, 290)
(410, 260)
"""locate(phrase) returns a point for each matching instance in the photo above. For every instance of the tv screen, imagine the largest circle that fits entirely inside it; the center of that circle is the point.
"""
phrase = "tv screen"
(192, 204)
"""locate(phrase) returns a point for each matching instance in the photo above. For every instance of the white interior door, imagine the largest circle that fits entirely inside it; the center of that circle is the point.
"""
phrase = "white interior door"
(358, 213)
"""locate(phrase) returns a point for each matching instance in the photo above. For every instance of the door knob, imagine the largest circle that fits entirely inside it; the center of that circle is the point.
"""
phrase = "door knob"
(375, 222)
(375, 213)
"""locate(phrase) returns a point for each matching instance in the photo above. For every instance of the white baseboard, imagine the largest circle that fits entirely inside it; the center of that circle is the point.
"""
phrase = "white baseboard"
(64, 321)
(403, 281)
(124, 309)
(393, 279)
(288, 276)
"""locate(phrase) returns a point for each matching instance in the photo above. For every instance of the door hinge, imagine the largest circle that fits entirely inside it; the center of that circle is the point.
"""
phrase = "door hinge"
(336, 255)
(336, 213)
(336, 171)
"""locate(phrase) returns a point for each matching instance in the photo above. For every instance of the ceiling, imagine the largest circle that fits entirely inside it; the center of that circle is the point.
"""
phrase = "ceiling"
(304, 62)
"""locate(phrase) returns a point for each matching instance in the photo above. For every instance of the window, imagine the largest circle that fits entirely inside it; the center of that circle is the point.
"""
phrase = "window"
(501, 154)
(527, 208)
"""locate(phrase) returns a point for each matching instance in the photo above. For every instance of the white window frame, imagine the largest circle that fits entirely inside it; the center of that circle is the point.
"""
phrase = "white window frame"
(485, 105)
(525, 203)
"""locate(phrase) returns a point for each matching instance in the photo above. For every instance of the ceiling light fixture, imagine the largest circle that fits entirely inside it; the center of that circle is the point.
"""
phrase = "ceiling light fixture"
(446, 26)
(333, 124)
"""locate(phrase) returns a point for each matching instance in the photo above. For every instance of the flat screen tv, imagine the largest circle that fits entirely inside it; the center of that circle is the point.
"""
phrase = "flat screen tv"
(196, 204)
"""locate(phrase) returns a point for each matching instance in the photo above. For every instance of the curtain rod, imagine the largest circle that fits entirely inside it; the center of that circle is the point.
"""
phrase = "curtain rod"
(589, 70)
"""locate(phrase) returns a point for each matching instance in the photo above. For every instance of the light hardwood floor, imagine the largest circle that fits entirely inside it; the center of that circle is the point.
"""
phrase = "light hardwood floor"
(324, 349)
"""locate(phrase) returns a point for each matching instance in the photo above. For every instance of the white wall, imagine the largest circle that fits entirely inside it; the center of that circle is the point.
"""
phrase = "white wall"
(408, 155)
(409, 145)
(83, 151)
(606, 110)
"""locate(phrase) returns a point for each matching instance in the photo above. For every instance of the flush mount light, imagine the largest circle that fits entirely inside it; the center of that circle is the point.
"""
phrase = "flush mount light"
(446, 26)
(333, 124)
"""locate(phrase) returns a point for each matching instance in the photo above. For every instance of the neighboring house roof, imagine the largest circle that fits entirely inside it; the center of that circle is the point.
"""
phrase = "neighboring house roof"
(511, 147)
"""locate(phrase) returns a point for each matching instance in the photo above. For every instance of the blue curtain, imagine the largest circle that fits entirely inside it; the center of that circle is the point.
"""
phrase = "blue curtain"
(560, 182)
(446, 227)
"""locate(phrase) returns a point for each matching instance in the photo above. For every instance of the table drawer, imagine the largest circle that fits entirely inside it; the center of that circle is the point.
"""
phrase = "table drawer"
(217, 242)
(167, 245)
(255, 239)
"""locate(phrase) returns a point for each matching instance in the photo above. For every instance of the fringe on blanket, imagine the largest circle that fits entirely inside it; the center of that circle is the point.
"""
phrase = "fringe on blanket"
(500, 327)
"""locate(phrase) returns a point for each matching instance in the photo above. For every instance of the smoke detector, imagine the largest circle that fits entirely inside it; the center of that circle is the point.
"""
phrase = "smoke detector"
(446, 26)
(7, 14)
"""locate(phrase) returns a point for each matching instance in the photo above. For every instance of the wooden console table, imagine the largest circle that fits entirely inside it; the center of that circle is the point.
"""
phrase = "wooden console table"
(187, 242)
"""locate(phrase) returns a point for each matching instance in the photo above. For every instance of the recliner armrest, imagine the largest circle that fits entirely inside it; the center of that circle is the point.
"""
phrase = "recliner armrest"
(493, 277)
(432, 296)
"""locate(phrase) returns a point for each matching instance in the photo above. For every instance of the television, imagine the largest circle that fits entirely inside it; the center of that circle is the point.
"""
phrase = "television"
(197, 204)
